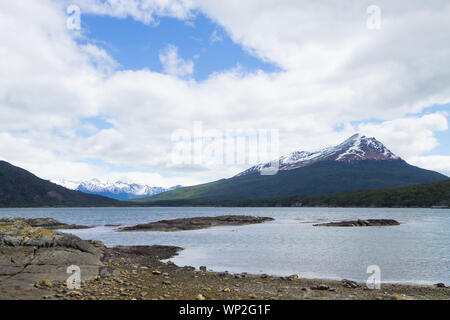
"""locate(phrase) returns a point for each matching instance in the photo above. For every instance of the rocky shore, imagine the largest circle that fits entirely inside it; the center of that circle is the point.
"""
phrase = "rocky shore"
(196, 223)
(47, 223)
(33, 263)
(361, 223)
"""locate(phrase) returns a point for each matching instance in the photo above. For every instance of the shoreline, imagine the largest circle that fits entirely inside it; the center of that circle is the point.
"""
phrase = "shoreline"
(34, 261)
(138, 273)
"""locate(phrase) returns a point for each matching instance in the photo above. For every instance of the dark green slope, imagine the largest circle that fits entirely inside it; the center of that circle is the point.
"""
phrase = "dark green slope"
(327, 177)
(422, 195)
(20, 188)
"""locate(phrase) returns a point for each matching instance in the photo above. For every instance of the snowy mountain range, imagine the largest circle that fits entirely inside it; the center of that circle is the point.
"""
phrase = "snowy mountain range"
(116, 190)
(355, 148)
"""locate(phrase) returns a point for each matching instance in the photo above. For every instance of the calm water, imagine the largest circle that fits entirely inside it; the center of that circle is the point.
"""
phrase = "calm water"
(418, 251)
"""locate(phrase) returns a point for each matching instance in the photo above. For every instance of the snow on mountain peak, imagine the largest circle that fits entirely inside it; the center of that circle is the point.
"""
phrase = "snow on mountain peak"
(355, 148)
(117, 190)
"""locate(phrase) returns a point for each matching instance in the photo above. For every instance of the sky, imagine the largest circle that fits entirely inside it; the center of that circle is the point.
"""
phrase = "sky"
(115, 89)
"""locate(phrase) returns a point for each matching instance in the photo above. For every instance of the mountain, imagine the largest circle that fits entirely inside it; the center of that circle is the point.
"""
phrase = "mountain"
(359, 163)
(20, 188)
(116, 190)
(356, 148)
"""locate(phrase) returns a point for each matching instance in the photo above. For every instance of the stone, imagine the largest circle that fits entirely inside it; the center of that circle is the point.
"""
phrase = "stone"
(196, 223)
(203, 268)
(361, 223)
(75, 294)
(321, 287)
(226, 290)
(440, 285)
(43, 284)
(200, 297)
(397, 297)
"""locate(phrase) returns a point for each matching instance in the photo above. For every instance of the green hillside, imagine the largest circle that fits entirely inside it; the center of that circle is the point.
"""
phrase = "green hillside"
(327, 177)
(20, 188)
(422, 195)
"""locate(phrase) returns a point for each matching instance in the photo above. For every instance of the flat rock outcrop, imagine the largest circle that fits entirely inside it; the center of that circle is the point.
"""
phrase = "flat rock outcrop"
(361, 223)
(196, 223)
(29, 254)
(47, 223)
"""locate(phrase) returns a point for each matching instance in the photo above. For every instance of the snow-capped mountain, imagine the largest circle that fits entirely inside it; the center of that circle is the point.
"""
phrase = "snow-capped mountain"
(355, 148)
(117, 190)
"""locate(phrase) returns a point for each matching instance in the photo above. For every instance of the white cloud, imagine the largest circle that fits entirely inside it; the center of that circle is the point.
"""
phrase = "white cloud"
(173, 64)
(145, 11)
(335, 71)
(436, 163)
(409, 136)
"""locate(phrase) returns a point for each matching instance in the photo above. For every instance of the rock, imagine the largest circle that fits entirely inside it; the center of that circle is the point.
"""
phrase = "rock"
(397, 297)
(203, 268)
(200, 297)
(264, 276)
(360, 223)
(43, 284)
(440, 285)
(167, 283)
(188, 268)
(156, 272)
(75, 294)
(350, 284)
(46, 223)
(196, 223)
(322, 287)
(144, 294)
(226, 290)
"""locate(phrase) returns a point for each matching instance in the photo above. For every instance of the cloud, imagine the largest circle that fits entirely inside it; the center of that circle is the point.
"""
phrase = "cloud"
(173, 64)
(408, 136)
(335, 72)
(145, 11)
(436, 163)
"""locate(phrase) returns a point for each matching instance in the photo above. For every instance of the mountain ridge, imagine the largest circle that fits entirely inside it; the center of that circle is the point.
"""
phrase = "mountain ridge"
(21, 188)
(118, 190)
(359, 163)
(355, 148)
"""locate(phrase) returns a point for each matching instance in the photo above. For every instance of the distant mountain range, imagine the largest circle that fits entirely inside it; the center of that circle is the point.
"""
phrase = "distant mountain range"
(20, 188)
(359, 163)
(115, 190)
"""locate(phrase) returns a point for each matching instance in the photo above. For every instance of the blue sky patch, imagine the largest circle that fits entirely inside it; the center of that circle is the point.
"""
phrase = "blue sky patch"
(136, 46)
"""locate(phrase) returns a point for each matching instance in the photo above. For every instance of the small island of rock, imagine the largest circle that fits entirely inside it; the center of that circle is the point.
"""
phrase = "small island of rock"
(361, 223)
(196, 223)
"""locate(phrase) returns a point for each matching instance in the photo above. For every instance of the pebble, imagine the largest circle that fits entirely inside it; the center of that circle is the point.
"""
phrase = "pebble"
(43, 284)
(321, 287)
(200, 297)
